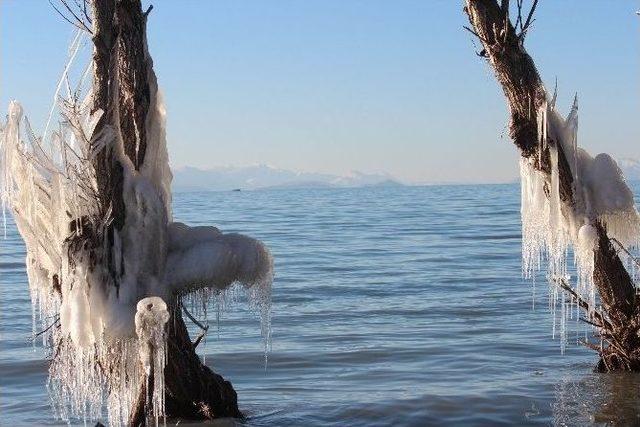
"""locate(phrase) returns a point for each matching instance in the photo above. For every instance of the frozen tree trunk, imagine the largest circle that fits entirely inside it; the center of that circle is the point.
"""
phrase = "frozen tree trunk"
(108, 268)
(193, 391)
(516, 72)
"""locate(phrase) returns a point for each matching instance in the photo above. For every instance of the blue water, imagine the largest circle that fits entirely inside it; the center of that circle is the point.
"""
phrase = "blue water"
(391, 306)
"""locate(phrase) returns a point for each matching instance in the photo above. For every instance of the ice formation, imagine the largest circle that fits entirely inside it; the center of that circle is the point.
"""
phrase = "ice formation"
(151, 318)
(551, 227)
(203, 262)
(104, 332)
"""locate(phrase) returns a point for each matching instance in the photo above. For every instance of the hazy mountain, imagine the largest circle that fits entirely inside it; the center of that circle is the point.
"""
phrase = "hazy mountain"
(630, 168)
(263, 176)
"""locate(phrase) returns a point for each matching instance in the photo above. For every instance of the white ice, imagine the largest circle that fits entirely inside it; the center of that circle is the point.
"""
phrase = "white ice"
(551, 227)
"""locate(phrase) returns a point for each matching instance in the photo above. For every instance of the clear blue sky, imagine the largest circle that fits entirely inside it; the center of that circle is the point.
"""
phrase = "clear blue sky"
(340, 85)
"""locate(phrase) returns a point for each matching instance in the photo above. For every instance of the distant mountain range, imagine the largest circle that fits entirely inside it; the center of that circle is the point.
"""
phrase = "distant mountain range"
(630, 168)
(227, 178)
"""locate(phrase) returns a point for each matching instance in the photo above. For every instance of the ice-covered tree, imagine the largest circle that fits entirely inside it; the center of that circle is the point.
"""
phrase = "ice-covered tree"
(108, 269)
(570, 200)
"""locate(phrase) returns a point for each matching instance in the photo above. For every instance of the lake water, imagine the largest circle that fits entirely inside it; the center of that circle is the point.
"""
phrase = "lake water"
(391, 306)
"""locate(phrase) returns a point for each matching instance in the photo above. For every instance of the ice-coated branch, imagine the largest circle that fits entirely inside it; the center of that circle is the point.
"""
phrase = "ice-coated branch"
(203, 257)
(595, 314)
(568, 197)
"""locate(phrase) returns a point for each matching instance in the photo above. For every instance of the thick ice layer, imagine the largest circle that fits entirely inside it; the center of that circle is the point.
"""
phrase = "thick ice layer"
(600, 190)
(550, 227)
(205, 257)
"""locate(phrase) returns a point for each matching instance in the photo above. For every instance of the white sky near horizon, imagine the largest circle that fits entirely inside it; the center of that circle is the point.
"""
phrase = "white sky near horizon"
(333, 86)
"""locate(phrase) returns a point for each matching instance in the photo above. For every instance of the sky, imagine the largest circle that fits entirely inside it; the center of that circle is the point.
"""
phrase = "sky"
(334, 86)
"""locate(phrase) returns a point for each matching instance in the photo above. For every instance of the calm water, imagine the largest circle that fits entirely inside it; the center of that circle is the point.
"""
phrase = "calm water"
(400, 306)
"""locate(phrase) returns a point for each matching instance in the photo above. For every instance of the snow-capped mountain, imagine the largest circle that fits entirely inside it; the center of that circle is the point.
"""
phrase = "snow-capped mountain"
(264, 176)
(630, 168)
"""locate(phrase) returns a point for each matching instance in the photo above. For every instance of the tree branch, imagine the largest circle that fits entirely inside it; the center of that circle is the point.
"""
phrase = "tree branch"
(584, 305)
(528, 22)
(77, 21)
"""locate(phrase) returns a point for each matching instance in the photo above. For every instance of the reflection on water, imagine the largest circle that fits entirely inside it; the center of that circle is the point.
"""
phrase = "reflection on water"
(600, 399)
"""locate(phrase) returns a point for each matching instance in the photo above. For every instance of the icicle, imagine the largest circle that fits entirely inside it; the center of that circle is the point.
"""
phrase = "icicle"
(586, 245)
(151, 318)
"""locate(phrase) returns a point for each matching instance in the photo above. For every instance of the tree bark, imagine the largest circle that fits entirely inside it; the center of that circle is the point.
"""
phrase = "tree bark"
(517, 74)
(122, 89)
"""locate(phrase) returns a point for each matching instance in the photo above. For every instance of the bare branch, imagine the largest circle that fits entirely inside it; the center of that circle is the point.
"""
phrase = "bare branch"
(55, 323)
(482, 39)
(70, 10)
(519, 18)
(583, 304)
(65, 18)
(193, 319)
(528, 22)
(84, 11)
(76, 22)
(589, 322)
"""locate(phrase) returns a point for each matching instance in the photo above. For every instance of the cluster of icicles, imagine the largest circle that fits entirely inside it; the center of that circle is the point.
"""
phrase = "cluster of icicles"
(104, 340)
(550, 227)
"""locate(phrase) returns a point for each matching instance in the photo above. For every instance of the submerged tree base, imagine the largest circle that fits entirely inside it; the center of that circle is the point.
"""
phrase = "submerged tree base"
(622, 352)
(192, 390)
